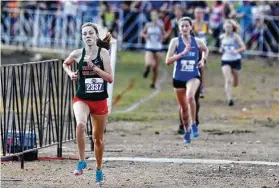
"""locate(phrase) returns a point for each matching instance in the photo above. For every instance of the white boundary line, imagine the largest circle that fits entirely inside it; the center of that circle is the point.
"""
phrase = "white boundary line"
(185, 161)
(145, 99)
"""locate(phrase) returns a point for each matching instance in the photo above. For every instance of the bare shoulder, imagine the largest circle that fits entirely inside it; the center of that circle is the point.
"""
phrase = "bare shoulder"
(104, 52)
(76, 53)
(174, 41)
(237, 36)
(104, 55)
(200, 42)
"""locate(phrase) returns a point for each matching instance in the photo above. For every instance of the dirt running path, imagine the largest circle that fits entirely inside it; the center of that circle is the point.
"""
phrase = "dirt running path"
(246, 132)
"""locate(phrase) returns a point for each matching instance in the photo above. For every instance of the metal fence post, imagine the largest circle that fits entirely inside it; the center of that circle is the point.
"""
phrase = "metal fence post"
(21, 120)
(61, 130)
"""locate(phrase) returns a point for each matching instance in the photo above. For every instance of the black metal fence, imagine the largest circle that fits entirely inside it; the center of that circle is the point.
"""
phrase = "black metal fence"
(36, 107)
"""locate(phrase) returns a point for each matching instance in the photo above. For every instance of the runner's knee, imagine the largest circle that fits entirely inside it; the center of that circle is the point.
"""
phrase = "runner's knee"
(184, 108)
(98, 141)
(190, 98)
(81, 125)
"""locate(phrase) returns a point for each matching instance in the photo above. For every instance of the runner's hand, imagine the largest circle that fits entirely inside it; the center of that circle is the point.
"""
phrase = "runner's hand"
(74, 75)
(201, 63)
(186, 49)
(88, 59)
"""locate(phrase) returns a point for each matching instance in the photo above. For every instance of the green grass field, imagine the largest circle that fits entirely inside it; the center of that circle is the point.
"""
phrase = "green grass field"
(258, 92)
(256, 96)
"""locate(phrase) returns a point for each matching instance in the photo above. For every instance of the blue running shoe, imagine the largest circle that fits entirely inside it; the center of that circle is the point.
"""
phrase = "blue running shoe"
(79, 169)
(187, 137)
(99, 176)
(195, 130)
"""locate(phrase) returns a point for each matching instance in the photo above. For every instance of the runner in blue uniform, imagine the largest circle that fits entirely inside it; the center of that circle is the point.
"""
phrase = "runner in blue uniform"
(197, 100)
(184, 52)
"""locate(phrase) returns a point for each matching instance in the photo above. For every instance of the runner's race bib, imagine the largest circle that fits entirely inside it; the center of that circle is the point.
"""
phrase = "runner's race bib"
(229, 48)
(155, 38)
(187, 65)
(94, 85)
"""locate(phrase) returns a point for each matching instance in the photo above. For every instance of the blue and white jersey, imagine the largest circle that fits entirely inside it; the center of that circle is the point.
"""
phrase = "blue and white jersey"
(186, 67)
(154, 40)
(228, 45)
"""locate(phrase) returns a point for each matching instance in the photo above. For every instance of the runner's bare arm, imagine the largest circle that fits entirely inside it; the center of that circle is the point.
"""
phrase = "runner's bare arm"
(143, 33)
(107, 73)
(240, 43)
(204, 52)
(171, 56)
(71, 59)
(203, 48)
(221, 48)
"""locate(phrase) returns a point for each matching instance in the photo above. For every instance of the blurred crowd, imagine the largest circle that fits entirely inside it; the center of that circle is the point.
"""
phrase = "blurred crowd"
(252, 15)
(254, 18)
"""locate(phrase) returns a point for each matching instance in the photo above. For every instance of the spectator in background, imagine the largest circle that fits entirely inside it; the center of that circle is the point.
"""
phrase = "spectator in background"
(261, 8)
(265, 29)
(215, 21)
(110, 19)
(244, 12)
(70, 10)
(44, 29)
(115, 25)
(126, 5)
(167, 26)
(192, 5)
(178, 12)
(200, 26)
(274, 9)
(275, 12)
(29, 16)
(255, 40)
(181, 3)
(107, 16)
(229, 11)
(147, 6)
(205, 7)
(130, 17)
(116, 5)
(53, 7)
(11, 5)
(159, 5)
(136, 5)
(29, 5)
(89, 10)
(142, 6)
